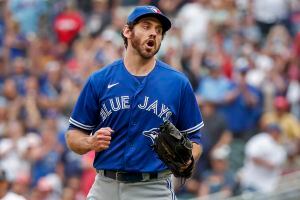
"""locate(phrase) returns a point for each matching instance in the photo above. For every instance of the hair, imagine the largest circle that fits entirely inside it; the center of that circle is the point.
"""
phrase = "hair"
(130, 26)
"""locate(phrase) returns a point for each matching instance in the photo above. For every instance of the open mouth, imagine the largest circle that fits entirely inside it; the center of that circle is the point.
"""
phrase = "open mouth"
(150, 43)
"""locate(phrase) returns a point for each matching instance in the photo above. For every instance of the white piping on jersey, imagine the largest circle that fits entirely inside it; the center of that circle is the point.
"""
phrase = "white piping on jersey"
(169, 186)
(193, 129)
(112, 85)
(80, 125)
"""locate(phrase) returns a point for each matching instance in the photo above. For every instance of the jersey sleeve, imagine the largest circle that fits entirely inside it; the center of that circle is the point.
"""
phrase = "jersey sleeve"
(85, 114)
(190, 119)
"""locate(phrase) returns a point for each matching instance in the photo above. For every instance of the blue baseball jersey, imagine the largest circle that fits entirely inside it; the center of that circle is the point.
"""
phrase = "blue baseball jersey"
(134, 108)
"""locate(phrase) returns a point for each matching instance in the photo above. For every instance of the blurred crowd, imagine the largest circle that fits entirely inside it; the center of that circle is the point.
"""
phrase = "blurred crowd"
(241, 56)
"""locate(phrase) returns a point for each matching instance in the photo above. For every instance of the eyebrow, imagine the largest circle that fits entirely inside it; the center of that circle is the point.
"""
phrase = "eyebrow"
(148, 21)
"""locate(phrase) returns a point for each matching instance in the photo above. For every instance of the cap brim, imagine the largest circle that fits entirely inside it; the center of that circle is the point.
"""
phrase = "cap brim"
(166, 23)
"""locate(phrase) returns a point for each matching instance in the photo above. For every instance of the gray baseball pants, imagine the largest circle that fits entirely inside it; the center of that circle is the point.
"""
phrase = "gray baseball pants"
(108, 189)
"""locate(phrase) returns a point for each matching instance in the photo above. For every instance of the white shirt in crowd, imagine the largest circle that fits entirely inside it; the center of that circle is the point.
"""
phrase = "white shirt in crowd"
(270, 11)
(256, 176)
(194, 18)
(12, 196)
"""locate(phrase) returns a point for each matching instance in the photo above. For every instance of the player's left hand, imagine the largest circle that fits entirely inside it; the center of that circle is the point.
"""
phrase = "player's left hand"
(183, 168)
(175, 150)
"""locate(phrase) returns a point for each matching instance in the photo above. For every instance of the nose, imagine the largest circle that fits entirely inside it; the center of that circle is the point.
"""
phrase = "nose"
(153, 32)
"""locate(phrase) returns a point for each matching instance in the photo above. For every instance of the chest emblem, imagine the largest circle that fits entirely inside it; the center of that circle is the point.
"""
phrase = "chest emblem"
(152, 134)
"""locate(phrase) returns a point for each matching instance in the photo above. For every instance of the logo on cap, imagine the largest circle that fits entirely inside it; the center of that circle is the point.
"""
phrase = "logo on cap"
(155, 10)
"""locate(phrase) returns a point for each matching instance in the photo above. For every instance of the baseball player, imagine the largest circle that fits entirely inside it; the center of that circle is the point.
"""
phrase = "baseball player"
(120, 108)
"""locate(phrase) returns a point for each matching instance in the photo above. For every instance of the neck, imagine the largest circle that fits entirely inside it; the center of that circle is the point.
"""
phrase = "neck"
(138, 65)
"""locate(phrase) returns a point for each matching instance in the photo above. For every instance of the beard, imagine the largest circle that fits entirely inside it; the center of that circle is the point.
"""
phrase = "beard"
(141, 47)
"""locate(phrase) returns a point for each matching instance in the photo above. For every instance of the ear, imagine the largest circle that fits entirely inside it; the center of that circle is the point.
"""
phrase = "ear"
(127, 32)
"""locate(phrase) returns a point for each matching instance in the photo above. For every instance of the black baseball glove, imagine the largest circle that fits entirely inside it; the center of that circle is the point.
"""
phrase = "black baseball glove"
(175, 150)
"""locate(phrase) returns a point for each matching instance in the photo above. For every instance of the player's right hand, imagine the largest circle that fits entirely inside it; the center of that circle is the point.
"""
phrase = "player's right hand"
(100, 140)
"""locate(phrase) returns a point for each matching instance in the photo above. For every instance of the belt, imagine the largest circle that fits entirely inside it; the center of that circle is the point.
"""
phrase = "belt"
(133, 176)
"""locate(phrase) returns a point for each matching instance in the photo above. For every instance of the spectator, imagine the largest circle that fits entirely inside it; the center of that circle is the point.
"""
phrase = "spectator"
(13, 150)
(293, 90)
(215, 134)
(243, 105)
(21, 185)
(250, 30)
(99, 17)
(194, 17)
(74, 183)
(278, 41)
(71, 164)
(32, 115)
(259, 73)
(20, 74)
(267, 13)
(263, 162)
(27, 13)
(281, 116)
(49, 187)
(68, 24)
(5, 193)
(45, 157)
(219, 179)
(170, 7)
(14, 41)
(213, 86)
(53, 97)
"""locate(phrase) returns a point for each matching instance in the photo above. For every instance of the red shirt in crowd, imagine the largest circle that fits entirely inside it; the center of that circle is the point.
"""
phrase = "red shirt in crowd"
(67, 25)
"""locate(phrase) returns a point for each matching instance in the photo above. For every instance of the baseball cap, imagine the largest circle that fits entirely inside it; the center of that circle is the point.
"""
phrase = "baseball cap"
(274, 127)
(212, 64)
(146, 11)
(281, 102)
(241, 65)
(221, 153)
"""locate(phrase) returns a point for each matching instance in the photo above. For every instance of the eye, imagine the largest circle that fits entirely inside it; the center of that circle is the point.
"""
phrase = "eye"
(159, 30)
(146, 26)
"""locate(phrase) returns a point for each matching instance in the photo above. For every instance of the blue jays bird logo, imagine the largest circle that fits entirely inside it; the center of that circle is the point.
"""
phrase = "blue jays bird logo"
(152, 134)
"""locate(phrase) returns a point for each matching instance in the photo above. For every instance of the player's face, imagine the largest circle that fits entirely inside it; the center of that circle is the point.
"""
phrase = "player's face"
(147, 36)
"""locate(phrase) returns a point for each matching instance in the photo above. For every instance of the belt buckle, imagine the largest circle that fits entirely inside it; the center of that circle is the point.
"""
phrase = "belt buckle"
(118, 177)
(145, 177)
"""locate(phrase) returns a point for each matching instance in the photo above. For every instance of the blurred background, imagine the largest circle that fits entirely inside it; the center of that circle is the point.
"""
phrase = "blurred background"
(242, 58)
